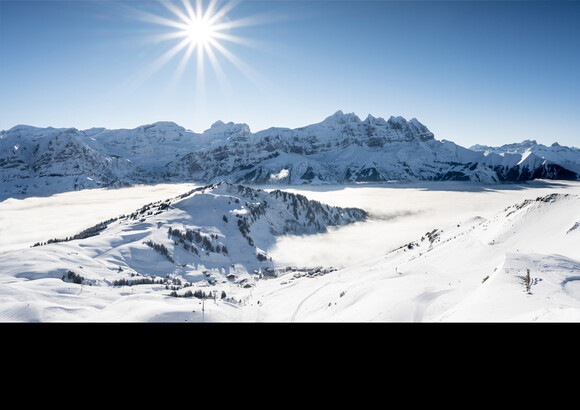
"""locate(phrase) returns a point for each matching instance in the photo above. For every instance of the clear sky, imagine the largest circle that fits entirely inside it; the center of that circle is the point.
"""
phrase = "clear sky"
(488, 72)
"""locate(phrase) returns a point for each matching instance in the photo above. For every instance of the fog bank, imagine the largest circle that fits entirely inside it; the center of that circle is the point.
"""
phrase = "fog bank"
(400, 213)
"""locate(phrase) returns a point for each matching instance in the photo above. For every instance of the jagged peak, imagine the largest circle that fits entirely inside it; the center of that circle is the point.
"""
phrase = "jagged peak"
(370, 119)
(396, 119)
(67, 131)
(415, 121)
(339, 117)
(218, 124)
(523, 144)
(220, 127)
(529, 142)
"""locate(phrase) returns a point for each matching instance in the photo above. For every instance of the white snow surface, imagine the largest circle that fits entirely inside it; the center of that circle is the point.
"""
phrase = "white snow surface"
(429, 252)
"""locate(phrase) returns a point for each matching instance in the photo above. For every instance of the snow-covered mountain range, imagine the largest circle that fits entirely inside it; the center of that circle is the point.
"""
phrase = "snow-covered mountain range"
(341, 149)
(566, 157)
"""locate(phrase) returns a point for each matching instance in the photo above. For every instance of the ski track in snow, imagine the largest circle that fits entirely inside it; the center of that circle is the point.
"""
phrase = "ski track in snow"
(299, 306)
(424, 300)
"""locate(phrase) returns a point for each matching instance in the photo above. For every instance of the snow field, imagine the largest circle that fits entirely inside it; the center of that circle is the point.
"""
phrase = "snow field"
(471, 270)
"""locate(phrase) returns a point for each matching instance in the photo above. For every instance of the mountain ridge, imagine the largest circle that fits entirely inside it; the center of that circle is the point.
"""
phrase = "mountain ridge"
(210, 235)
(340, 149)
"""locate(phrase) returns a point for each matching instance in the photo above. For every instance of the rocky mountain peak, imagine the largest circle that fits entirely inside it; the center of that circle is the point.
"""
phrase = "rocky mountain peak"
(339, 118)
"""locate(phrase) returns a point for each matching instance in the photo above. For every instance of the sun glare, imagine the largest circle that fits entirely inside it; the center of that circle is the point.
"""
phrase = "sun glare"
(199, 31)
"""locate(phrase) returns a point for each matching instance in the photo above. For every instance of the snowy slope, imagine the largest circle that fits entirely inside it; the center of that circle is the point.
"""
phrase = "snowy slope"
(340, 149)
(473, 272)
(210, 240)
(470, 270)
(148, 147)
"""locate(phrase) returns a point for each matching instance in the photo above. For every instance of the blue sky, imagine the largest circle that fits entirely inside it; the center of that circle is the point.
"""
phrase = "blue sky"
(488, 72)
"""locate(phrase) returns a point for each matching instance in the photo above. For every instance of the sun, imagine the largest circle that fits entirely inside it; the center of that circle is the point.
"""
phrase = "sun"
(195, 26)
(200, 31)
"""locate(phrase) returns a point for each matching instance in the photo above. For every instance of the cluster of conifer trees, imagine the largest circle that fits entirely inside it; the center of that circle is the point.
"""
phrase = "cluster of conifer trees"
(204, 241)
(162, 249)
(87, 233)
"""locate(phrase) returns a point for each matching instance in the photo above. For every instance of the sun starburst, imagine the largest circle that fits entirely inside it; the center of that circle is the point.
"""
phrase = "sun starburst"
(200, 33)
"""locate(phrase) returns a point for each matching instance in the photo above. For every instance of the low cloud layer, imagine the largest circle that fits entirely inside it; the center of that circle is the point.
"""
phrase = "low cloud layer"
(399, 214)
